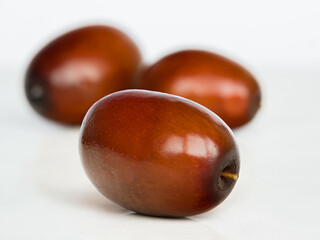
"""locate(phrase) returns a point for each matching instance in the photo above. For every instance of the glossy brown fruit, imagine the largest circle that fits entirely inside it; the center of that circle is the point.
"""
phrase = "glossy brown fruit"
(75, 70)
(158, 154)
(216, 82)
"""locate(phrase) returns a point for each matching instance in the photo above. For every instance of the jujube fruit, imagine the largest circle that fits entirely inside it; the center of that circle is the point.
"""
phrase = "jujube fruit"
(158, 154)
(78, 68)
(212, 80)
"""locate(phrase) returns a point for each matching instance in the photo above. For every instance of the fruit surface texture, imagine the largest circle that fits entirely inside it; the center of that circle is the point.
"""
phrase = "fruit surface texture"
(158, 154)
(214, 81)
(78, 68)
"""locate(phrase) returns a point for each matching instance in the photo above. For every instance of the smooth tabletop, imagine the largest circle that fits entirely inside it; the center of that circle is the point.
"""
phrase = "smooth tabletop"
(45, 194)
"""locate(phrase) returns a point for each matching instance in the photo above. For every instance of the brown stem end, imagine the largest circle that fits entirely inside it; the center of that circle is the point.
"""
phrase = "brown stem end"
(233, 176)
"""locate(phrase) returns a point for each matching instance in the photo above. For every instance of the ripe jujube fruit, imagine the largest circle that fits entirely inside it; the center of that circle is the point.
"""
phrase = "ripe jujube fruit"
(75, 70)
(214, 81)
(158, 154)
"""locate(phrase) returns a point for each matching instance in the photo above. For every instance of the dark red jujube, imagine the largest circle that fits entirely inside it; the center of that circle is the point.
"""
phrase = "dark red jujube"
(75, 70)
(216, 82)
(158, 154)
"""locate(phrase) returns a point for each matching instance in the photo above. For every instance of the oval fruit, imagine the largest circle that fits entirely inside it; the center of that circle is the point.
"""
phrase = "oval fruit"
(75, 70)
(214, 81)
(158, 154)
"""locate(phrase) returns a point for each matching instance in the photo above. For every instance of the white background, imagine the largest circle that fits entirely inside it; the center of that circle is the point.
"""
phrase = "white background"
(44, 193)
(274, 33)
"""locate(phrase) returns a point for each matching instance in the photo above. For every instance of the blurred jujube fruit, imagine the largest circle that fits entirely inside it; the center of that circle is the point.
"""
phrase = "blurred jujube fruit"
(78, 68)
(158, 154)
(214, 81)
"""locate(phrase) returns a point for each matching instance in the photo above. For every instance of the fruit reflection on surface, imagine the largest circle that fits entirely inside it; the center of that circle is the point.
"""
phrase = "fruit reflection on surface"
(158, 154)
(75, 70)
(216, 82)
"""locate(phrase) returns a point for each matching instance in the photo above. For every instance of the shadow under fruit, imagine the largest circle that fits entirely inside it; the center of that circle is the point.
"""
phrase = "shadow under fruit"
(158, 154)
(75, 70)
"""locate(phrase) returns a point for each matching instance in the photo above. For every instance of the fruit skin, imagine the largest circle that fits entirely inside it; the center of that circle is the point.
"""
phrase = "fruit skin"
(78, 68)
(158, 154)
(216, 82)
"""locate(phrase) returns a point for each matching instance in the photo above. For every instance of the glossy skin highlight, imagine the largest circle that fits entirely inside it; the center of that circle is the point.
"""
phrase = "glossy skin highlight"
(158, 154)
(216, 82)
(75, 70)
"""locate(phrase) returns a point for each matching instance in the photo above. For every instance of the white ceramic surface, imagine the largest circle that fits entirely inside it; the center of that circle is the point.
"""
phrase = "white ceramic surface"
(46, 195)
